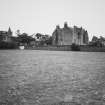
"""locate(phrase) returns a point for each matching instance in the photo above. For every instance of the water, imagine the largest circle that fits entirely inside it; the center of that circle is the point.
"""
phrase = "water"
(30, 77)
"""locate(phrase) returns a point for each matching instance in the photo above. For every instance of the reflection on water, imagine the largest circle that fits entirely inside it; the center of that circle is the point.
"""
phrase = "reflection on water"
(30, 77)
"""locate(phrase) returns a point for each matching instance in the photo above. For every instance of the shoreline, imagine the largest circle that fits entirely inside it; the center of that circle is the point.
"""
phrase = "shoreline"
(68, 48)
(63, 48)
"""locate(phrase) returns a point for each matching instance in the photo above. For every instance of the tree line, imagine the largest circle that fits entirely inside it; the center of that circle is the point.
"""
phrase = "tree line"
(23, 39)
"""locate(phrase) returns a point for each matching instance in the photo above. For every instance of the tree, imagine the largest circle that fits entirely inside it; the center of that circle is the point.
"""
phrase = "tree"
(18, 32)
(49, 41)
(25, 39)
(94, 39)
(43, 39)
(38, 35)
(75, 47)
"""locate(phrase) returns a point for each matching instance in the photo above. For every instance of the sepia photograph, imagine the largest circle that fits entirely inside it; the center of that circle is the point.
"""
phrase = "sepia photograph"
(52, 52)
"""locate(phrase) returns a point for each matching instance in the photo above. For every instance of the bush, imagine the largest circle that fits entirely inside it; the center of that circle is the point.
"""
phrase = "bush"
(8, 45)
(75, 47)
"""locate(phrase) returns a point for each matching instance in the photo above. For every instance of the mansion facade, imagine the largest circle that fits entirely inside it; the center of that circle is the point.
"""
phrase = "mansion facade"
(69, 35)
(6, 35)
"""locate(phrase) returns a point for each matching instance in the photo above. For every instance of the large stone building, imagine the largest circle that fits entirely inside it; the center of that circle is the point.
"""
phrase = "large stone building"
(6, 35)
(69, 35)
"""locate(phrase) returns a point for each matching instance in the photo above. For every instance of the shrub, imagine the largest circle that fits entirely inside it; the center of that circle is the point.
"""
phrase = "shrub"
(75, 47)
(8, 45)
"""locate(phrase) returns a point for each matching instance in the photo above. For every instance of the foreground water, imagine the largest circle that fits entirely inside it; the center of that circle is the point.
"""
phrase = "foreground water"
(30, 77)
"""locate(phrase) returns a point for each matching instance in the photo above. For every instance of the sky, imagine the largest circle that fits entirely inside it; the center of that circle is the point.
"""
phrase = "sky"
(42, 16)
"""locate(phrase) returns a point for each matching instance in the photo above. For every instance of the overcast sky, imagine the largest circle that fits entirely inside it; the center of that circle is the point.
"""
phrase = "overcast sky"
(32, 16)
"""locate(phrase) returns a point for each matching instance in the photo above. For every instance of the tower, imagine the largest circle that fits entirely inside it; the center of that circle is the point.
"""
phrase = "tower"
(9, 32)
(65, 25)
(9, 35)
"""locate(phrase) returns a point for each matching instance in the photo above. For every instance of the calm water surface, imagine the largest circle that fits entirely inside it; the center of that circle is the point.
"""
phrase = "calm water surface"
(30, 77)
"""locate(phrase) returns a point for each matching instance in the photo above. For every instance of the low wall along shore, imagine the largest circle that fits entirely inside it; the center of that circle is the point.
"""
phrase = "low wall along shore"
(68, 48)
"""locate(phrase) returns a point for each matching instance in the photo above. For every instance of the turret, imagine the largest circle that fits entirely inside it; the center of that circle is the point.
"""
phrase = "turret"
(9, 32)
(57, 27)
(65, 25)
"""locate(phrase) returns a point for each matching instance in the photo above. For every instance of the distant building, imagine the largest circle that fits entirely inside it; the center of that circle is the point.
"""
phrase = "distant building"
(69, 35)
(99, 42)
(102, 40)
(6, 35)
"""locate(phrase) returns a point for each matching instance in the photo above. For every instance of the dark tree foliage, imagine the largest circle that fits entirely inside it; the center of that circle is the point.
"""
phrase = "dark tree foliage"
(44, 39)
(49, 41)
(8, 45)
(24, 38)
(94, 39)
(96, 44)
(1, 38)
(75, 47)
(38, 35)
